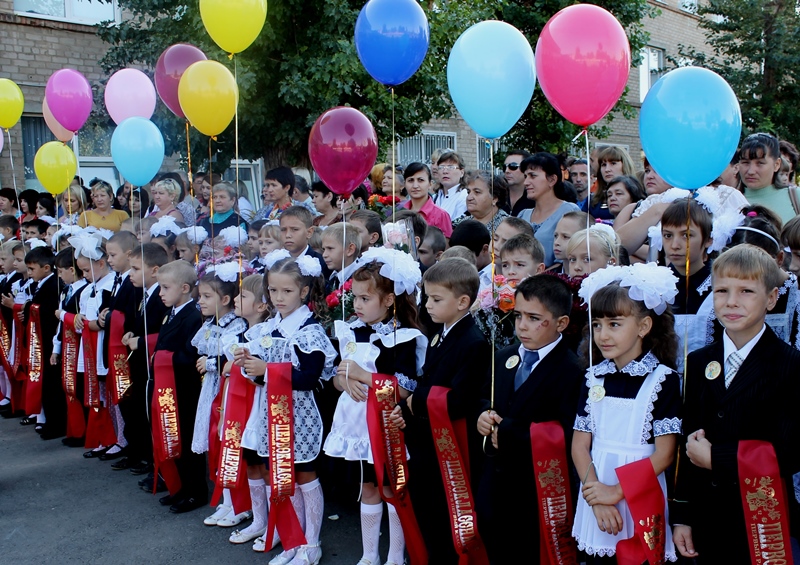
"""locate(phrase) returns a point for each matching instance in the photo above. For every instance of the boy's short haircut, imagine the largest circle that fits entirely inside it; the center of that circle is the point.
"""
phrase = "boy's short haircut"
(418, 223)
(315, 241)
(471, 234)
(436, 238)
(790, 236)
(270, 230)
(257, 225)
(66, 259)
(301, 213)
(180, 271)
(456, 275)
(144, 225)
(343, 233)
(551, 291)
(748, 262)
(282, 175)
(10, 222)
(459, 251)
(370, 218)
(525, 243)
(522, 226)
(581, 217)
(125, 239)
(41, 256)
(152, 254)
(675, 216)
(40, 225)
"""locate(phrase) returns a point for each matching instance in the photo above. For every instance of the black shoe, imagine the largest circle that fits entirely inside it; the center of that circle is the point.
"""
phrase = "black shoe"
(5, 409)
(141, 468)
(147, 480)
(160, 486)
(169, 500)
(187, 505)
(38, 428)
(111, 456)
(50, 433)
(94, 453)
(124, 463)
(73, 441)
(28, 421)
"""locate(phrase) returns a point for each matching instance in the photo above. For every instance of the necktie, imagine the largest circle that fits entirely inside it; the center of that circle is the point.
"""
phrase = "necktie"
(143, 303)
(529, 358)
(117, 281)
(732, 364)
(171, 315)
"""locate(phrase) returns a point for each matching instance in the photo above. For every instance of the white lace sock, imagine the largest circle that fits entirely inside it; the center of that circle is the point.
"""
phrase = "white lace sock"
(397, 541)
(258, 496)
(226, 497)
(299, 506)
(275, 537)
(119, 424)
(314, 507)
(371, 516)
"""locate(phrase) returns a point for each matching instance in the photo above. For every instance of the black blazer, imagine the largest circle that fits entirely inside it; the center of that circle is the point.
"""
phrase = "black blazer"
(176, 336)
(126, 301)
(47, 296)
(154, 313)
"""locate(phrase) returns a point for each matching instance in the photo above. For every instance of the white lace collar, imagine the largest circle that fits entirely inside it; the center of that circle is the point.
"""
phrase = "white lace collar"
(635, 368)
(227, 319)
(704, 286)
(787, 285)
(289, 325)
(381, 328)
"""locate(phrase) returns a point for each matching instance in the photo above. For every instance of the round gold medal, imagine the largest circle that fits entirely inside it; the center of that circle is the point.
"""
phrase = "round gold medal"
(266, 341)
(512, 362)
(597, 393)
(713, 370)
(351, 347)
(435, 340)
(166, 318)
(207, 334)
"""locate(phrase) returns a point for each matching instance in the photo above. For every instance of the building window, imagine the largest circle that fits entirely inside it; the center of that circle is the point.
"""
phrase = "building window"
(35, 133)
(76, 11)
(485, 157)
(651, 68)
(689, 6)
(419, 148)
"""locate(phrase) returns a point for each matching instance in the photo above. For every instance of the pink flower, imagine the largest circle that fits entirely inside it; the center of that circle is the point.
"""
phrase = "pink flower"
(486, 299)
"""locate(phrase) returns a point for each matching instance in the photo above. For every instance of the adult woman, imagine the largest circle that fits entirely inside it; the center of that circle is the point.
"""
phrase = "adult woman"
(613, 162)
(418, 185)
(27, 205)
(209, 180)
(544, 186)
(327, 204)
(166, 194)
(184, 205)
(103, 216)
(759, 164)
(8, 202)
(653, 183)
(46, 207)
(622, 191)
(451, 197)
(72, 204)
(482, 205)
(139, 203)
(225, 216)
(376, 178)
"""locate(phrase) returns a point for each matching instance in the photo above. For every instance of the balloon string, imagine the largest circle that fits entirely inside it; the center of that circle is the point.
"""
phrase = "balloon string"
(211, 202)
(686, 327)
(191, 185)
(11, 157)
(394, 208)
(585, 133)
(491, 244)
(236, 152)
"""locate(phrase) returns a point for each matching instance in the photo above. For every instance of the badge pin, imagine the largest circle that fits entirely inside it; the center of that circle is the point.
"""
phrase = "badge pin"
(351, 347)
(512, 362)
(165, 319)
(435, 340)
(597, 393)
(713, 370)
(207, 334)
(266, 341)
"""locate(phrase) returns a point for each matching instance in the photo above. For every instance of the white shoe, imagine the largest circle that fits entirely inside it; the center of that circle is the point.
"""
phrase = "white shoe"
(308, 554)
(232, 519)
(364, 561)
(260, 544)
(393, 563)
(221, 512)
(284, 557)
(243, 536)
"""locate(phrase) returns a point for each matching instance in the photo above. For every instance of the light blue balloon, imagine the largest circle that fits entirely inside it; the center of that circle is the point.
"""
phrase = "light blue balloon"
(137, 148)
(491, 75)
(690, 125)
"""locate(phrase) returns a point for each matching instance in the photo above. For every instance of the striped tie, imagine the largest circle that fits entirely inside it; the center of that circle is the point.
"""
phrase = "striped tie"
(732, 365)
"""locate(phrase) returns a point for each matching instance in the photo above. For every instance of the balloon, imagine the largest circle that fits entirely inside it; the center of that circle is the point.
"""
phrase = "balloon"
(233, 24)
(61, 133)
(343, 147)
(137, 148)
(392, 39)
(170, 67)
(208, 95)
(491, 76)
(2, 141)
(129, 93)
(12, 103)
(690, 124)
(583, 59)
(69, 96)
(55, 166)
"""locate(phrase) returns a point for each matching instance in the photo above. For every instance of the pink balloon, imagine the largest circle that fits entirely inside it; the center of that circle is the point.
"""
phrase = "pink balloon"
(61, 133)
(582, 61)
(69, 96)
(130, 94)
(170, 68)
(343, 147)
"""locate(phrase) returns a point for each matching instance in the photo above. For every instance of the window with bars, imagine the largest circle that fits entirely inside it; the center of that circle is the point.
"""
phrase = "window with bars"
(420, 147)
(86, 12)
(651, 68)
(487, 157)
(35, 133)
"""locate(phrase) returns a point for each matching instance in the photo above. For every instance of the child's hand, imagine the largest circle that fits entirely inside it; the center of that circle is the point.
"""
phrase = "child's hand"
(54, 359)
(254, 366)
(486, 422)
(595, 492)
(7, 301)
(396, 417)
(698, 448)
(79, 323)
(608, 519)
(682, 536)
(130, 341)
(58, 314)
(102, 318)
(201, 365)
(353, 371)
(356, 390)
(240, 354)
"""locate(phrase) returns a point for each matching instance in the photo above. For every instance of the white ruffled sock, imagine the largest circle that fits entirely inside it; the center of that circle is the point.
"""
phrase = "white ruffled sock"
(397, 540)
(371, 516)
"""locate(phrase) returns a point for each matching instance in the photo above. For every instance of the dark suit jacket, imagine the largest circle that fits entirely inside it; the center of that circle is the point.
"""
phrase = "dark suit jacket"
(761, 404)
(176, 336)
(47, 296)
(126, 301)
(154, 315)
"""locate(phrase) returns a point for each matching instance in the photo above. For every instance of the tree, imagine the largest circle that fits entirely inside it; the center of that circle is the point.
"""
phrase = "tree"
(756, 48)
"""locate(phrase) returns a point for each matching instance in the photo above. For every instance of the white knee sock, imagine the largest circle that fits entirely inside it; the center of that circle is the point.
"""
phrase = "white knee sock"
(226, 497)
(314, 507)
(371, 516)
(299, 506)
(258, 496)
(397, 541)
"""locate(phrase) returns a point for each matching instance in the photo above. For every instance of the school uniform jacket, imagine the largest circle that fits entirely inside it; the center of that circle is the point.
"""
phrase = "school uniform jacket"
(126, 301)
(153, 315)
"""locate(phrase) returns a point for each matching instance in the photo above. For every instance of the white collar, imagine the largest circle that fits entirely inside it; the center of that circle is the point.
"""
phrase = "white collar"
(446, 329)
(543, 351)
(305, 251)
(176, 309)
(347, 272)
(730, 347)
(148, 292)
(125, 275)
(106, 282)
(41, 282)
(289, 325)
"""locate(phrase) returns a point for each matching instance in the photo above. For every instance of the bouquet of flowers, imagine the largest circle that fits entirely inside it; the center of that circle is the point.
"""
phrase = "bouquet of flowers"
(382, 204)
(495, 312)
(400, 236)
(340, 304)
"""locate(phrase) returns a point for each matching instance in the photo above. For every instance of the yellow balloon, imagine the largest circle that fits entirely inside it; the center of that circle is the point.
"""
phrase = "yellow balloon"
(208, 95)
(233, 24)
(11, 103)
(55, 166)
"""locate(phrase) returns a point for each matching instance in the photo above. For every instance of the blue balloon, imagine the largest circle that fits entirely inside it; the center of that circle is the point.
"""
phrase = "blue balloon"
(491, 75)
(392, 39)
(137, 148)
(690, 125)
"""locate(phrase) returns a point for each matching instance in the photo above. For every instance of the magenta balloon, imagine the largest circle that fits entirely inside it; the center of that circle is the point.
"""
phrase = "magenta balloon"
(130, 94)
(583, 59)
(170, 68)
(69, 96)
(343, 147)
(61, 133)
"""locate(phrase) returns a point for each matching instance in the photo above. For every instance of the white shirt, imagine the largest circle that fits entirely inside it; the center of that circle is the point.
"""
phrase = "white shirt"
(346, 273)
(446, 329)
(542, 352)
(729, 347)
(176, 309)
(454, 202)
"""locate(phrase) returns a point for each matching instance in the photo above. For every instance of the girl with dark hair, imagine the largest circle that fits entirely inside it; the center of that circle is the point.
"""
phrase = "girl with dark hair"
(759, 165)
(418, 186)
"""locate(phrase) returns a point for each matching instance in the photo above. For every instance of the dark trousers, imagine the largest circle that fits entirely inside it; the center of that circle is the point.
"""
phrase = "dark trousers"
(54, 400)
(135, 411)
(191, 465)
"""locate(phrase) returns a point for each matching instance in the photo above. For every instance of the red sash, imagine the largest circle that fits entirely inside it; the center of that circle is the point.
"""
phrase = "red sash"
(20, 347)
(119, 370)
(165, 422)
(389, 454)
(76, 423)
(766, 511)
(551, 472)
(280, 414)
(33, 392)
(646, 503)
(232, 468)
(91, 393)
(99, 429)
(452, 450)
(5, 347)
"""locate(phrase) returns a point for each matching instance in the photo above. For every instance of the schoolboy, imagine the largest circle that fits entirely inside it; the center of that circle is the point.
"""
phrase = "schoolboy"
(145, 261)
(10, 276)
(368, 224)
(9, 226)
(34, 229)
(252, 238)
(296, 229)
(19, 295)
(432, 247)
(507, 229)
(458, 358)
(741, 387)
(341, 246)
(790, 237)
(536, 381)
(522, 257)
(176, 283)
(475, 236)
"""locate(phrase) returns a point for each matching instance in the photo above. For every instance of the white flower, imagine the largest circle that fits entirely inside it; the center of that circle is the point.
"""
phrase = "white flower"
(275, 256)
(722, 229)
(599, 279)
(654, 233)
(87, 245)
(234, 236)
(604, 228)
(196, 234)
(398, 267)
(709, 198)
(309, 266)
(227, 272)
(164, 226)
(33, 243)
(646, 282)
(65, 230)
(49, 219)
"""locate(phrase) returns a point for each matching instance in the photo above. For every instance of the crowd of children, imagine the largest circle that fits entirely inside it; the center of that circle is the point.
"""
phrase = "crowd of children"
(635, 412)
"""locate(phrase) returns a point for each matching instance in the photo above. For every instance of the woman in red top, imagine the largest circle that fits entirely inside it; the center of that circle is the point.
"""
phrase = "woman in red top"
(418, 185)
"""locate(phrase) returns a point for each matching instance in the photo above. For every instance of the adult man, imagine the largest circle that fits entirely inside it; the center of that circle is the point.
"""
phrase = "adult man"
(517, 198)
(579, 177)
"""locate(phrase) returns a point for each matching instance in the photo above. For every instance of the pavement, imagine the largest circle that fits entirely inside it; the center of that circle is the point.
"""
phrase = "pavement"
(57, 507)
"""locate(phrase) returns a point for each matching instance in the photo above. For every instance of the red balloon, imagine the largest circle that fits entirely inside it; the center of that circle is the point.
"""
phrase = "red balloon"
(583, 59)
(170, 68)
(343, 147)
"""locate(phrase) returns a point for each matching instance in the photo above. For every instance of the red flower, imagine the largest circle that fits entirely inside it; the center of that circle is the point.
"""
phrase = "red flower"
(332, 300)
(228, 249)
(348, 286)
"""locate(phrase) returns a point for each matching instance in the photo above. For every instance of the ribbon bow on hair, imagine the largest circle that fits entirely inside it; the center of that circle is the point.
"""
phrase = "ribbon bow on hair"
(86, 245)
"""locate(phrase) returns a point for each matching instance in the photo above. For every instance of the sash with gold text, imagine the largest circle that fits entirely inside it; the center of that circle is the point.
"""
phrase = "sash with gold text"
(5, 347)
(165, 422)
(389, 454)
(452, 451)
(33, 392)
(91, 393)
(280, 414)
(119, 369)
(646, 503)
(20, 348)
(764, 501)
(232, 468)
(76, 422)
(551, 475)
